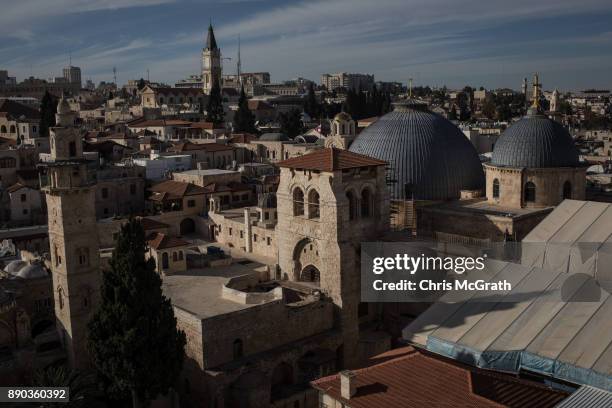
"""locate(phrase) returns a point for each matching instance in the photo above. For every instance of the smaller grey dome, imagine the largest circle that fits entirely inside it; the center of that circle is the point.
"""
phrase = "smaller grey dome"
(343, 116)
(15, 266)
(266, 200)
(535, 141)
(274, 137)
(32, 272)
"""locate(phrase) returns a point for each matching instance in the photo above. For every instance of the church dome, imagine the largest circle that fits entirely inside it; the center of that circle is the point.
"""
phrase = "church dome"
(32, 271)
(343, 117)
(426, 153)
(15, 266)
(535, 141)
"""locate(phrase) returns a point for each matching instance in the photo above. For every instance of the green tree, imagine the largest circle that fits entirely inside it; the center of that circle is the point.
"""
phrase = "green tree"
(214, 108)
(141, 84)
(291, 123)
(244, 120)
(48, 107)
(83, 388)
(311, 105)
(488, 107)
(133, 339)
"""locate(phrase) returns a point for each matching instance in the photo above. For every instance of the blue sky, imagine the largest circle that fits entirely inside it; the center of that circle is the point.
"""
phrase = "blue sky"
(438, 42)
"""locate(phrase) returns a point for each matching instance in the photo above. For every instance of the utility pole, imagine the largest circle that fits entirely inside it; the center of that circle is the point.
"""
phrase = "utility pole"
(239, 64)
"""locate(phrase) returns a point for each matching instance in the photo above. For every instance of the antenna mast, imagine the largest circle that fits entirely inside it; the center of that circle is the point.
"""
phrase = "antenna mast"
(239, 63)
(115, 75)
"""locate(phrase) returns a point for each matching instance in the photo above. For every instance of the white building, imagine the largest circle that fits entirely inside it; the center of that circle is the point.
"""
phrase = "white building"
(161, 167)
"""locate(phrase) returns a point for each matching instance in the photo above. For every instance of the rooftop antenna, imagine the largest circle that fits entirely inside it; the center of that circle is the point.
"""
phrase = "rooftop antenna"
(410, 88)
(69, 58)
(536, 91)
(147, 74)
(239, 63)
(115, 75)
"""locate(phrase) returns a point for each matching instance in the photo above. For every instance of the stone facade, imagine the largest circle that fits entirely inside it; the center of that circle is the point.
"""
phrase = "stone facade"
(321, 242)
(550, 186)
(74, 261)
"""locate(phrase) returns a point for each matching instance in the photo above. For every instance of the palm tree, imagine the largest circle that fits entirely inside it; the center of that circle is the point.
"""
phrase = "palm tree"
(82, 386)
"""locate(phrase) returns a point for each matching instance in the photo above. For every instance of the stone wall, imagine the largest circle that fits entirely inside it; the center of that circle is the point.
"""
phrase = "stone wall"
(549, 184)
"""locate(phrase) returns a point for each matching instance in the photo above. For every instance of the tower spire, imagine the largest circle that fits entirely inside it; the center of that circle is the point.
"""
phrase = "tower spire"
(239, 63)
(536, 91)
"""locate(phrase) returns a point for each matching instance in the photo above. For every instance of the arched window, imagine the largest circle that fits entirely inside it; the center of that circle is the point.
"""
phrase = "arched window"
(352, 205)
(180, 255)
(237, 349)
(298, 201)
(567, 190)
(174, 257)
(60, 297)
(366, 203)
(313, 204)
(530, 192)
(3, 129)
(496, 188)
(72, 149)
(12, 128)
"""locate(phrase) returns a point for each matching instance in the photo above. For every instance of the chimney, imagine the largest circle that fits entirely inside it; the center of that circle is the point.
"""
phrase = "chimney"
(348, 387)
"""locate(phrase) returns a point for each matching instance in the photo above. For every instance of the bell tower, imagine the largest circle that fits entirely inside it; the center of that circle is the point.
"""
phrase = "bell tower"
(211, 63)
(69, 186)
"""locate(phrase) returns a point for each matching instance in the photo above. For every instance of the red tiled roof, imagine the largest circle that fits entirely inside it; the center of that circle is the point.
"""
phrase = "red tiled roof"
(411, 378)
(209, 147)
(162, 241)
(16, 187)
(207, 125)
(242, 138)
(160, 122)
(331, 159)
(151, 224)
(258, 105)
(172, 189)
(232, 187)
(369, 120)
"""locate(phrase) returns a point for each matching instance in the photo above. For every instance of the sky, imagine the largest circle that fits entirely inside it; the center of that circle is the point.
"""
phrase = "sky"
(488, 43)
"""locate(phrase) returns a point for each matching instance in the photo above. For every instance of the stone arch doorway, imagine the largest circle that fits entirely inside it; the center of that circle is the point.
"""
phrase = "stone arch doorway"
(305, 255)
(187, 226)
(310, 274)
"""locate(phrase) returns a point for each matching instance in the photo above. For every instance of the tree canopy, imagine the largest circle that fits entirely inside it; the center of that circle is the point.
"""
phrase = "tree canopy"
(244, 120)
(48, 107)
(311, 105)
(133, 339)
(291, 123)
(214, 108)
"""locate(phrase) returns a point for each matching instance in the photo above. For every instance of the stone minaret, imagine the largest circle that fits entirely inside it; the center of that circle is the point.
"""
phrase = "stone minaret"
(211, 62)
(69, 186)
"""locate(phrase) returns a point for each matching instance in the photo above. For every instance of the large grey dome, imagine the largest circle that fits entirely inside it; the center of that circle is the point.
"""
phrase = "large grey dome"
(425, 151)
(535, 141)
(32, 271)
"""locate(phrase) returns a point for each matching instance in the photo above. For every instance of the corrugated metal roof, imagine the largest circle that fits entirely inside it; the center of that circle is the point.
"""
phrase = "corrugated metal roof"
(588, 397)
(556, 319)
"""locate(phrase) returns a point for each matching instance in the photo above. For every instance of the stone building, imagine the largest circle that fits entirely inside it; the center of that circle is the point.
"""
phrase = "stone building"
(535, 164)
(342, 131)
(70, 189)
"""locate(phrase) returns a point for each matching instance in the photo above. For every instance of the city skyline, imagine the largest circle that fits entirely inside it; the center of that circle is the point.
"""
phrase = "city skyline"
(564, 41)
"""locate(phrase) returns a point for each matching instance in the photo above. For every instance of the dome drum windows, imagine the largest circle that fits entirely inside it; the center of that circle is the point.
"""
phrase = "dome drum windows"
(529, 193)
(567, 190)
(496, 188)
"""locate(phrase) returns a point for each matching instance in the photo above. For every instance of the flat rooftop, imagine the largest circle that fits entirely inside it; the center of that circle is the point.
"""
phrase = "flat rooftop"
(482, 206)
(198, 291)
(209, 172)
